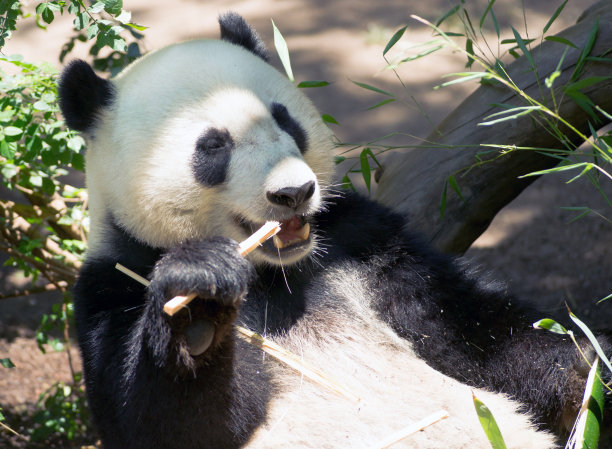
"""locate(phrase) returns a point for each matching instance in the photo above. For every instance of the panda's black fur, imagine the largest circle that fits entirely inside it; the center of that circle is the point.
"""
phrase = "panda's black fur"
(146, 389)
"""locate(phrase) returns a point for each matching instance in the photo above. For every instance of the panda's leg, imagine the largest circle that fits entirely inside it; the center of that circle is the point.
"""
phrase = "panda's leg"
(148, 388)
(478, 334)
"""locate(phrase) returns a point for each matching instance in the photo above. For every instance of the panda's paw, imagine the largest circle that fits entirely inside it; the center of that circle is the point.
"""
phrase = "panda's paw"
(215, 272)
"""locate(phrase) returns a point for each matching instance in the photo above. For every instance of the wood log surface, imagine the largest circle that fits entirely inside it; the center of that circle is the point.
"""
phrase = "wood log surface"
(412, 181)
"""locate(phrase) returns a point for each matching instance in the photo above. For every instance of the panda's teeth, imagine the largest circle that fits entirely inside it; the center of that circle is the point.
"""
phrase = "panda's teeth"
(301, 235)
(278, 243)
(305, 231)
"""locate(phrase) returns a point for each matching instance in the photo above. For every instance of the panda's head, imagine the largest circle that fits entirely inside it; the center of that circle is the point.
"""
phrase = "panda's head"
(200, 139)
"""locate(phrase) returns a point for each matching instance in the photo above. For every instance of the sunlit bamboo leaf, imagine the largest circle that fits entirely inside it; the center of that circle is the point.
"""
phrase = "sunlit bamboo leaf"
(489, 425)
(283, 51)
(585, 329)
(550, 325)
(396, 37)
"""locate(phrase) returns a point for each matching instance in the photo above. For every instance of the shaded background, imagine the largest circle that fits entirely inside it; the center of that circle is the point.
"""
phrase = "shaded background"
(531, 245)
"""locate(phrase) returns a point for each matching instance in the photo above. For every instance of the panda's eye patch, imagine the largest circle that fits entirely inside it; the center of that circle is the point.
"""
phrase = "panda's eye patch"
(289, 125)
(213, 140)
(211, 158)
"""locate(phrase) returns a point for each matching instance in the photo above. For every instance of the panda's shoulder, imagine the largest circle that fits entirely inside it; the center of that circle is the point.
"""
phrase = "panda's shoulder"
(358, 223)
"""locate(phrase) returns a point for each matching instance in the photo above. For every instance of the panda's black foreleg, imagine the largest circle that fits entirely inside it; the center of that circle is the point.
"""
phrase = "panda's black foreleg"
(149, 384)
(214, 271)
(478, 334)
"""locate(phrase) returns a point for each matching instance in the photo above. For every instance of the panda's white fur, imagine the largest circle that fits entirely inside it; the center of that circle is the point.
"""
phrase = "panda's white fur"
(395, 388)
(142, 188)
(167, 99)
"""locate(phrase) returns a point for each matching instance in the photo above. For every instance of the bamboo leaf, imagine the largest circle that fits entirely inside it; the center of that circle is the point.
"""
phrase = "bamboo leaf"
(443, 199)
(560, 40)
(488, 423)
(523, 46)
(372, 88)
(484, 15)
(447, 15)
(283, 51)
(550, 325)
(365, 168)
(586, 51)
(554, 17)
(585, 329)
(556, 169)
(524, 110)
(396, 37)
(452, 181)
(314, 83)
(329, 119)
(382, 103)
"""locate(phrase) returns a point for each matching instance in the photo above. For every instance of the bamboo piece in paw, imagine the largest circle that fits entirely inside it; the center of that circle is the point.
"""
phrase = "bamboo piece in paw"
(261, 235)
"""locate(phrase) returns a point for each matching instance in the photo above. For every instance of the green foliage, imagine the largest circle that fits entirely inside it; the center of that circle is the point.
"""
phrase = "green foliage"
(45, 233)
(489, 425)
(62, 411)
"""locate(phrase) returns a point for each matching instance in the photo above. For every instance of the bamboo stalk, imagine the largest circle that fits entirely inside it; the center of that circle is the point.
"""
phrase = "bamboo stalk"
(274, 350)
(412, 429)
(245, 247)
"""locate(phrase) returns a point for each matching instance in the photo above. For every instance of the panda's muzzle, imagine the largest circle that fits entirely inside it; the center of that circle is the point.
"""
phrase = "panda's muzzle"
(293, 237)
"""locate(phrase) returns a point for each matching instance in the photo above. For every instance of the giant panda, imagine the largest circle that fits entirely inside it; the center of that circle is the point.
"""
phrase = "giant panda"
(190, 149)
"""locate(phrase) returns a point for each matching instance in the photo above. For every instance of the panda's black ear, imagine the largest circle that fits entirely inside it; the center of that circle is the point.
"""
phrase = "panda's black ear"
(82, 94)
(234, 29)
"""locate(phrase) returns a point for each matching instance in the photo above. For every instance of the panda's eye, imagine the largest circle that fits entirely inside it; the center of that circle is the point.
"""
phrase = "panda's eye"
(214, 140)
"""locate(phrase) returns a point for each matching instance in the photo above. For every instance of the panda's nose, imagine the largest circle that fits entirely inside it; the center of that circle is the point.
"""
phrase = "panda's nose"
(292, 197)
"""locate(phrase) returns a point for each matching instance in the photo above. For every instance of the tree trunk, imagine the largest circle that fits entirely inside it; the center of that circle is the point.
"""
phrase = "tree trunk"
(412, 182)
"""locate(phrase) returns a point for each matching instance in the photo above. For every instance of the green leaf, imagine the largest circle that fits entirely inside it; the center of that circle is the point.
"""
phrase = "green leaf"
(518, 112)
(365, 168)
(382, 103)
(113, 7)
(347, 184)
(96, 8)
(396, 37)
(556, 169)
(447, 15)
(315, 83)
(339, 159)
(586, 50)
(7, 363)
(283, 51)
(6, 150)
(550, 325)
(489, 425)
(587, 82)
(92, 31)
(452, 181)
(554, 17)
(443, 199)
(523, 46)
(484, 15)
(560, 40)
(372, 88)
(12, 131)
(469, 48)
(329, 119)
(81, 21)
(594, 407)
(585, 329)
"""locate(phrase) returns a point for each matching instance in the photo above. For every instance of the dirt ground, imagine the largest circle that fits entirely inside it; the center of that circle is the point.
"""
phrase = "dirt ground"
(531, 245)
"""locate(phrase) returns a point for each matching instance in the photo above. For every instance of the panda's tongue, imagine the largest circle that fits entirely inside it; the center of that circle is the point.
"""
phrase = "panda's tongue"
(292, 231)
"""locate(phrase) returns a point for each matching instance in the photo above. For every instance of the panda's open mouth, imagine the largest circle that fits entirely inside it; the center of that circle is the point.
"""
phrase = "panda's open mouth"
(293, 237)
